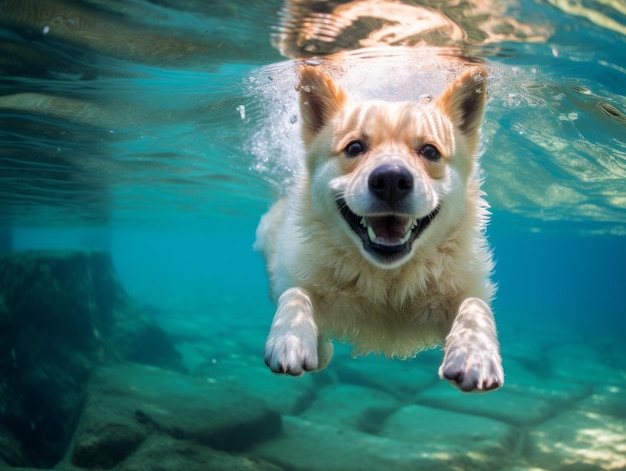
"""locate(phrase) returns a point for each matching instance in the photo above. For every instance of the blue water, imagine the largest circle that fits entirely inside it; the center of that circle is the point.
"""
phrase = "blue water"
(160, 132)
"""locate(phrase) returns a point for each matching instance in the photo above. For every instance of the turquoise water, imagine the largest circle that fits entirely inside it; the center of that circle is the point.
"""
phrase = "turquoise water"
(160, 132)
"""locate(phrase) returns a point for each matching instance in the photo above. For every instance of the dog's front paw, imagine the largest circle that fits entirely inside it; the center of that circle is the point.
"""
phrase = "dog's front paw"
(291, 353)
(472, 369)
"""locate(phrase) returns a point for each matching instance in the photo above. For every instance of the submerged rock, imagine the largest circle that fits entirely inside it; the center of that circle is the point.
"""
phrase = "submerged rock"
(10, 449)
(406, 442)
(402, 379)
(580, 439)
(464, 441)
(503, 405)
(248, 372)
(131, 409)
(349, 406)
(163, 453)
(62, 313)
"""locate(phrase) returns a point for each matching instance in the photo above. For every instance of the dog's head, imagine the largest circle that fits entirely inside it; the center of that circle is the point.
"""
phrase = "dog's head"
(384, 173)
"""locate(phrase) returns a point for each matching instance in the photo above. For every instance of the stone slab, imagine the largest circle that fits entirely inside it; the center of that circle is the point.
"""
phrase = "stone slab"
(521, 378)
(311, 446)
(470, 441)
(164, 453)
(63, 313)
(128, 403)
(579, 439)
(607, 400)
(503, 404)
(401, 378)
(354, 407)
(247, 372)
(583, 364)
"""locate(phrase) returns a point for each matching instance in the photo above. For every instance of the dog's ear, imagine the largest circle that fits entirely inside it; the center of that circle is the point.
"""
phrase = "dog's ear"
(464, 100)
(320, 99)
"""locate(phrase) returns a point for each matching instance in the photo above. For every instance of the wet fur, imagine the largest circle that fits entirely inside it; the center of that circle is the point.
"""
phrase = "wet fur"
(327, 286)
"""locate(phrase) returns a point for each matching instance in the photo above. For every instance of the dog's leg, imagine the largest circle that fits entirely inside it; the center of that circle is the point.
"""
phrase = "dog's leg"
(292, 344)
(472, 359)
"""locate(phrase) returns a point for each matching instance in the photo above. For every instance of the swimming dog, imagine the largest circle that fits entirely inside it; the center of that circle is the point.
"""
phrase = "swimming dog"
(382, 241)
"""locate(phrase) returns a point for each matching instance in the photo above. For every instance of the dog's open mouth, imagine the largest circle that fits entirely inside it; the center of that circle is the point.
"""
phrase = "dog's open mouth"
(388, 237)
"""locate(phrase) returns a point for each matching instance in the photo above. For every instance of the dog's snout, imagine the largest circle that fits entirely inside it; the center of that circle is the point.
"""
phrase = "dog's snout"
(390, 182)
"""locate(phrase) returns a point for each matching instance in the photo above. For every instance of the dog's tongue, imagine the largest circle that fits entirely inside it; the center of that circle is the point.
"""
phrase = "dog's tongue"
(388, 230)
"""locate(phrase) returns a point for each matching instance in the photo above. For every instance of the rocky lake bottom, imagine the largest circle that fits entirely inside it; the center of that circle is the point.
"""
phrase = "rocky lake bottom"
(563, 406)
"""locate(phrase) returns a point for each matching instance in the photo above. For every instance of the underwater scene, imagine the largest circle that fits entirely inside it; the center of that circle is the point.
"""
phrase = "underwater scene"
(141, 142)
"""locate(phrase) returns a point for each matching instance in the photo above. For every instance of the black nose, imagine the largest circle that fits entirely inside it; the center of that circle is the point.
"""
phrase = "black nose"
(390, 183)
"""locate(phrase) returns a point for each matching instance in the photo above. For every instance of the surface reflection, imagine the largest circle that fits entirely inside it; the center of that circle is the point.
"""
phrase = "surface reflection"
(110, 109)
(322, 28)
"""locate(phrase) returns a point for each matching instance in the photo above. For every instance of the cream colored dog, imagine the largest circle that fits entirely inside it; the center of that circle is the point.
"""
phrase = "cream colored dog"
(381, 243)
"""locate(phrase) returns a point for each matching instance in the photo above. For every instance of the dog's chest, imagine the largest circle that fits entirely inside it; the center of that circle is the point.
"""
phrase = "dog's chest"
(378, 327)
(341, 310)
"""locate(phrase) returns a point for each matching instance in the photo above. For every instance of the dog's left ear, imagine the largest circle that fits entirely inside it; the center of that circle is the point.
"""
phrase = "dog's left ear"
(320, 100)
(464, 100)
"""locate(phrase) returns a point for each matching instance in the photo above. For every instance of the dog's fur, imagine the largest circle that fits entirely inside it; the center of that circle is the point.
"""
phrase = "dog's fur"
(408, 170)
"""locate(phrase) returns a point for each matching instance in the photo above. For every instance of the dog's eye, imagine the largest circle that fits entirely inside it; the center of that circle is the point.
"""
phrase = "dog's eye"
(430, 152)
(354, 148)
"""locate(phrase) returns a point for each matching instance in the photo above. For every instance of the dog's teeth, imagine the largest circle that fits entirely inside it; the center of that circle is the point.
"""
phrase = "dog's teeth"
(406, 237)
(371, 233)
(364, 222)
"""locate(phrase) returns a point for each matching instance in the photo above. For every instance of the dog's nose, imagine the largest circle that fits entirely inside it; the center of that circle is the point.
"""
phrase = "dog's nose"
(390, 182)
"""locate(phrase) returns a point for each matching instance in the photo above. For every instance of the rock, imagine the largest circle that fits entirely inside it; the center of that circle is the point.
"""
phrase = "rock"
(403, 379)
(185, 319)
(583, 364)
(11, 452)
(283, 394)
(503, 405)
(62, 313)
(467, 441)
(350, 406)
(164, 453)
(531, 342)
(129, 403)
(609, 400)
(579, 440)
(318, 446)
(522, 380)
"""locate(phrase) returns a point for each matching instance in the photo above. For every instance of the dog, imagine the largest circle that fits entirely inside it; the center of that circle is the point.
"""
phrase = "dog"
(381, 243)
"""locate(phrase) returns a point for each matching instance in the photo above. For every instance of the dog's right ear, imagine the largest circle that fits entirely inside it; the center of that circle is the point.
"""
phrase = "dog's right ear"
(320, 100)
(464, 100)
